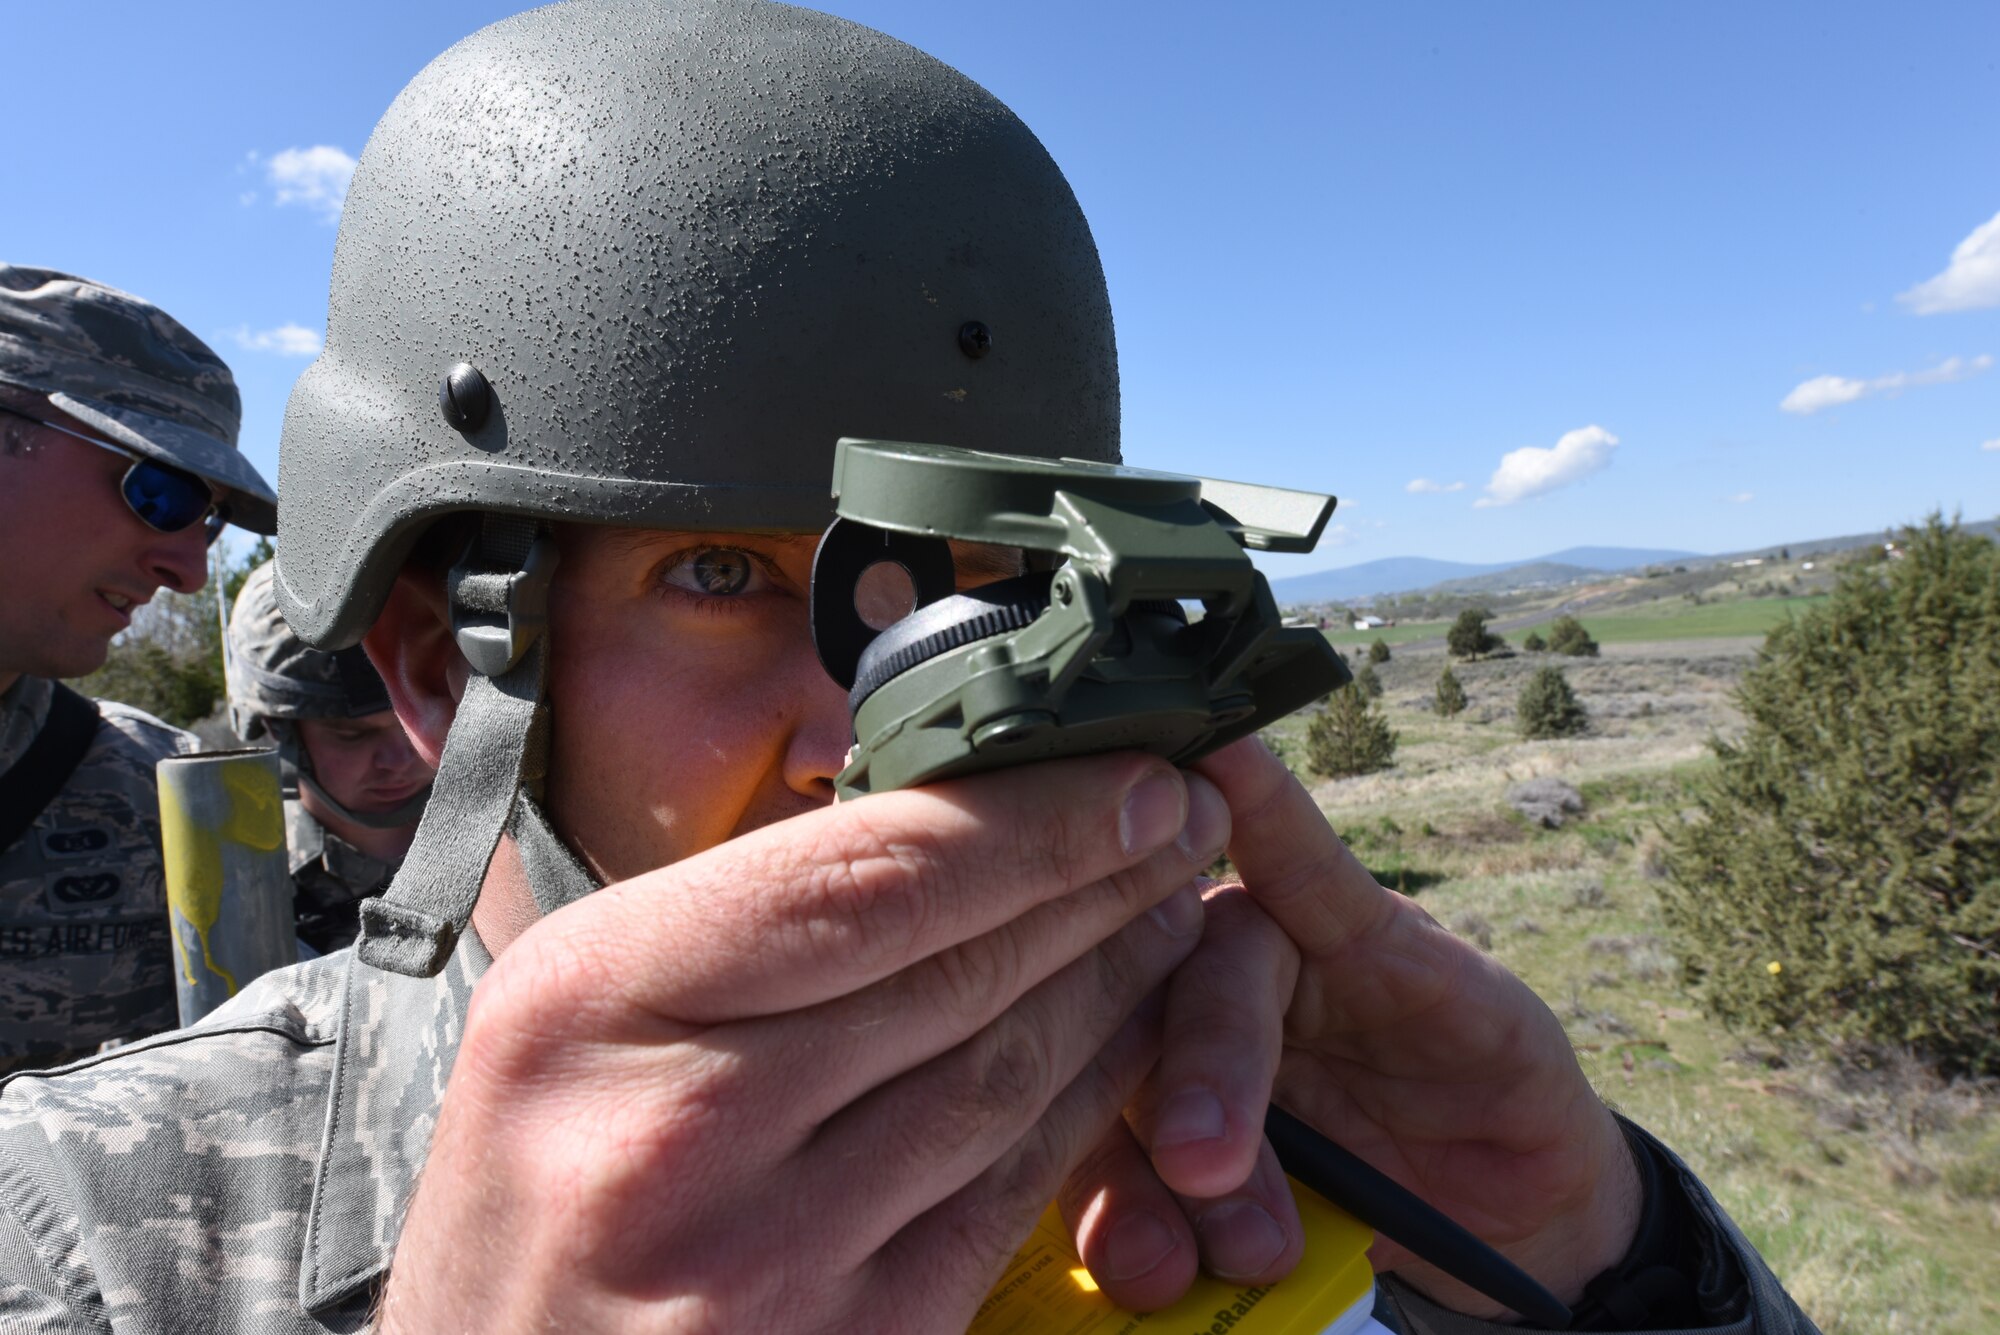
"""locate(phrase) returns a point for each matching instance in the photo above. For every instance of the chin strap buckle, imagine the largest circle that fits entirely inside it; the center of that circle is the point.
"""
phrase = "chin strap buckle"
(499, 593)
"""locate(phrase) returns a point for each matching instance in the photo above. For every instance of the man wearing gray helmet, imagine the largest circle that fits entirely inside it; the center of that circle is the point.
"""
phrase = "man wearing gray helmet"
(354, 786)
(117, 468)
(612, 278)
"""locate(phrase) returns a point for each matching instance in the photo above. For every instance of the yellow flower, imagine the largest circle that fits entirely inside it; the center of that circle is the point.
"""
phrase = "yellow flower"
(1774, 968)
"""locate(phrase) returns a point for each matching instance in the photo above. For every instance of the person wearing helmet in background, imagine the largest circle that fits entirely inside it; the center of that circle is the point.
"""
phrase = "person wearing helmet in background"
(611, 279)
(354, 786)
(118, 466)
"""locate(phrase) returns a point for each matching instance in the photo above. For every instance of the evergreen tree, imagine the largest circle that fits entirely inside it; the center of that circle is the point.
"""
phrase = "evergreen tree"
(1534, 643)
(1548, 707)
(1451, 699)
(1378, 652)
(1468, 636)
(1349, 736)
(1842, 881)
(1568, 636)
(1366, 682)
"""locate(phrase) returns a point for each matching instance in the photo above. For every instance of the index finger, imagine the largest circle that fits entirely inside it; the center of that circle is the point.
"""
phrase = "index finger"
(1292, 862)
(818, 906)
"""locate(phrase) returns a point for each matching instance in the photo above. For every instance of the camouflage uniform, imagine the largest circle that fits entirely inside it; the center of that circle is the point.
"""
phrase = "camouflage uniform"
(275, 680)
(330, 878)
(84, 951)
(250, 1174)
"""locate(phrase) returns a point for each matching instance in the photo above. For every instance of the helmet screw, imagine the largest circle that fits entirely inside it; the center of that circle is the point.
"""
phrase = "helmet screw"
(1064, 593)
(975, 340)
(465, 397)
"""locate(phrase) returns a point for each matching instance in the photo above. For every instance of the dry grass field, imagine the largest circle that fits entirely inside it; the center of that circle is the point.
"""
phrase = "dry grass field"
(1875, 1193)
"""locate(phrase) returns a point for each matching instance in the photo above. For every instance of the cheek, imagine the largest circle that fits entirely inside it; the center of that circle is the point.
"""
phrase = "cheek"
(659, 749)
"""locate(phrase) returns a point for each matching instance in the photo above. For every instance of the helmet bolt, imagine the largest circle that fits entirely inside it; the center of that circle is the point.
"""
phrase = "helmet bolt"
(1064, 593)
(465, 397)
(975, 340)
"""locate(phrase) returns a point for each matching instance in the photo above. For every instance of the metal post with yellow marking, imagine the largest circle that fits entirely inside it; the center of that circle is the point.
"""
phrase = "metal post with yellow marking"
(229, 890)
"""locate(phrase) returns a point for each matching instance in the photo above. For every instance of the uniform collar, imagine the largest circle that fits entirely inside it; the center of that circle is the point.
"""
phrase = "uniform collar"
(392, 1056)
(24, 707)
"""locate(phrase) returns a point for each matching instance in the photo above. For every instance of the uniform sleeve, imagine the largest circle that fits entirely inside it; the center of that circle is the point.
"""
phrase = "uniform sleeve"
(1732, 1276)
(40, 1252)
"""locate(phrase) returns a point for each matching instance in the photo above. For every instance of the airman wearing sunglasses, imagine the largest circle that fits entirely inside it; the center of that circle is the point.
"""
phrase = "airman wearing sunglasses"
(118, 467)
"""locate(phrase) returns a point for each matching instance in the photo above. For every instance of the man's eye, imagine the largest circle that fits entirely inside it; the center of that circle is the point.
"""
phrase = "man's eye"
(718, 572)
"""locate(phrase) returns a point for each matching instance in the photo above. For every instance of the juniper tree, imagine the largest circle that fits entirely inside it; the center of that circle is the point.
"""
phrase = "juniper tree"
(1468, 636)
(1841, 881)
(1367, 682)
(1451, 699)
(1568, 636)
(1548, 707)
(1378, 652)
(1534, 643)
(1349, 736)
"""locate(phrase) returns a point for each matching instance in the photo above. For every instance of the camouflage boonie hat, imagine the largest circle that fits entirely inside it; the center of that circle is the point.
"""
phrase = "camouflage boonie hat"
(124, 367)
(273, 674)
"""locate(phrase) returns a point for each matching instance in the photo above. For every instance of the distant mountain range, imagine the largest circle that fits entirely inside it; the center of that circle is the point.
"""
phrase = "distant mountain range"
(1402, 574)
(1410, 574)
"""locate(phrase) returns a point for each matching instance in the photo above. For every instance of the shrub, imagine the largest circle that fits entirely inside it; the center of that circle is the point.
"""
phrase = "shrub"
(1568, 636)
(1378, 652)
(1366, 682)
(1349, 736)
(1468, 636)
(1451, 699)
(1548, 707)
(1534, 643)
(1841, 880)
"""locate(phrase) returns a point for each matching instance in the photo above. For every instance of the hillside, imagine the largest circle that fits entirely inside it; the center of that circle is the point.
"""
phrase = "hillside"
(1397, 574)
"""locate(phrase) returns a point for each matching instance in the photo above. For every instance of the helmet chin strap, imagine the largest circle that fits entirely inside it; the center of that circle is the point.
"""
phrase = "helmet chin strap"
(495, 758)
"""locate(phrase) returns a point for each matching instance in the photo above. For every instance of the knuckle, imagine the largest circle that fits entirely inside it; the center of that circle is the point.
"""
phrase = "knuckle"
(967, 981)
(868, 901)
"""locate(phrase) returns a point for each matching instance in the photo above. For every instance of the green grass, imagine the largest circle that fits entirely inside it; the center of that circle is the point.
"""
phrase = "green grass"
(1674, 620)
(1877, 1209)
(1391, 635)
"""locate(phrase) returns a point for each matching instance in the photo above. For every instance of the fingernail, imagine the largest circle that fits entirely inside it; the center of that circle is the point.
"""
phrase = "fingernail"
(1207, 826)
(1133, 1246)
(1239, 1239)
(1191, 1115)
(1179, 914)
(1154, 812)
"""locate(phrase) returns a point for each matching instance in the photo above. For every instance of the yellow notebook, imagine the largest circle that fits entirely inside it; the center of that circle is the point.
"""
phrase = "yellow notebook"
(1047, 1291)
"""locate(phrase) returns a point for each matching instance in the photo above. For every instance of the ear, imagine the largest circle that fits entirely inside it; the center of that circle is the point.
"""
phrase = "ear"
(411, 645)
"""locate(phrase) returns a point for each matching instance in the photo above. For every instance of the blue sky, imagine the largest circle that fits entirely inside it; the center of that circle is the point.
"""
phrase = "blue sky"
(1572, 257)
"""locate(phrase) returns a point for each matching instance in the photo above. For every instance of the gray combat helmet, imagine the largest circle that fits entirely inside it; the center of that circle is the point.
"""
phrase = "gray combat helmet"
(275, 679)
(643, 262)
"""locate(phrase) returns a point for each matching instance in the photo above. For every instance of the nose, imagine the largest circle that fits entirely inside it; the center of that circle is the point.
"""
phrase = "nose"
(817, 751)
(177, 561)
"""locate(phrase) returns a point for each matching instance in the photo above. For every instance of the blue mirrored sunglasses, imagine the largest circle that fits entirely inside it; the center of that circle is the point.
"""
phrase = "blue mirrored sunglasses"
(164, 498)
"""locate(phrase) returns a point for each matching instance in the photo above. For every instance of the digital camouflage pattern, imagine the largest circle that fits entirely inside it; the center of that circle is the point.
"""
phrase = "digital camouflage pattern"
(84, 950)
(250, 1174)
(121, 365)
(247, 1175)
(330, 878)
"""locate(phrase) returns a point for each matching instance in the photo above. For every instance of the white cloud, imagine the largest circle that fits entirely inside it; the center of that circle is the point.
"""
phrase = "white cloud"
(1533, 471)
(1423, 486)
(313, 178)
(1993, 444)
(1830, 391)
(1336, 535)
(1743, 498)
(287, 340)
(1969, 282)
